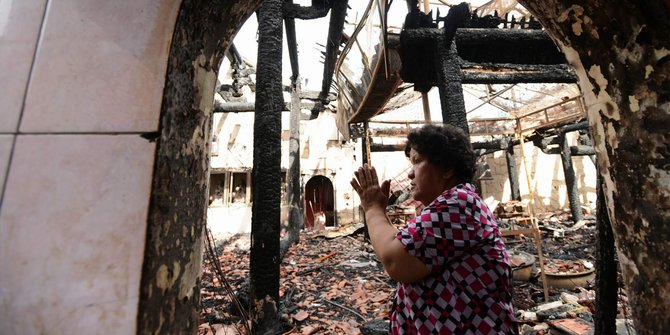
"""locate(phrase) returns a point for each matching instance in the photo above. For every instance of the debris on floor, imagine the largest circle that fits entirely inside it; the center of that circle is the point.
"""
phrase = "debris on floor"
(333, 283)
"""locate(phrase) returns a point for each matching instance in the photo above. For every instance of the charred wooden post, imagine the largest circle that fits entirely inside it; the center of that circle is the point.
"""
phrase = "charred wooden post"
(449, 75)
(294, 188)
(512, 173)
(295, 11)
(450, 88)
(570, 180)
(265, 218)
(337, 15)
(607, 284)
(365, 143)
(292, 43)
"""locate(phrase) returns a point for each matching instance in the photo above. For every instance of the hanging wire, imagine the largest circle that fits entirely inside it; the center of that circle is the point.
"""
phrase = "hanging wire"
(214, 259)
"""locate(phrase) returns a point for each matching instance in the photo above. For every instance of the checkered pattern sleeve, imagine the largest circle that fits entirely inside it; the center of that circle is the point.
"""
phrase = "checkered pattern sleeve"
(446, 229)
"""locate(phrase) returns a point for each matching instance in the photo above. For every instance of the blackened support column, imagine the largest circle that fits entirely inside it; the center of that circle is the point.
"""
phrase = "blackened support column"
(570, 180)
(512, 173)
(265, 217)
(449, 75)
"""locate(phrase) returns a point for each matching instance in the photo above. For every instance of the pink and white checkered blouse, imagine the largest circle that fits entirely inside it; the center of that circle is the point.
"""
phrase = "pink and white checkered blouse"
(468, 290)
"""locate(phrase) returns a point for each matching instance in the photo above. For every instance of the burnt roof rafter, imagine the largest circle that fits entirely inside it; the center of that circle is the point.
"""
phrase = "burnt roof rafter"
(318, 9)
(487, 56)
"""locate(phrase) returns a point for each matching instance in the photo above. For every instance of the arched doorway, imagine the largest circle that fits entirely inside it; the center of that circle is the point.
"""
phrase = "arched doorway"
(319, 202)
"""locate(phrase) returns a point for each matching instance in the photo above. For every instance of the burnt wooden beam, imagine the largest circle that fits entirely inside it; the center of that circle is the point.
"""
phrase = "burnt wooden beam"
(266, 212)
(514, 46)
(449, 75)
(295, 11)
(575, 150)
(490, 145)
(311, 95)
(512, 173)
(379, 147)
(247, 107)
(292, 43)
(336, 26)
(477, 73)
(487, 56)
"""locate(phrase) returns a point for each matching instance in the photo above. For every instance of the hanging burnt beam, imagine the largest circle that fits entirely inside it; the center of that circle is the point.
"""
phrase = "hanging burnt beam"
(337, 16)
(474, 73)
(266, 212)
(318, 9)
(511, 56)
(291, 41)
(449, 76)
(514, 46)
(512, 173)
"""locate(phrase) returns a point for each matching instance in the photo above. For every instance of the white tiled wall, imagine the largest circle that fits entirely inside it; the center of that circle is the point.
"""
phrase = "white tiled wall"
(100, 66)
(74, 210)
(19, 29)
(73, 223)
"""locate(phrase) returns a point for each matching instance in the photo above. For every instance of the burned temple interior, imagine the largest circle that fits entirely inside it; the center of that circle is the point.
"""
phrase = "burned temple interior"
(376, 72)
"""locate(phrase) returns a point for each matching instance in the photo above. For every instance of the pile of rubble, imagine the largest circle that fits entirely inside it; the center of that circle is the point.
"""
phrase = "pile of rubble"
(332, 282)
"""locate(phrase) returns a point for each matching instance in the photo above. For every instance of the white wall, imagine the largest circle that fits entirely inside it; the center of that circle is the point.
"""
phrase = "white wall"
(82, 80)
(547, 179)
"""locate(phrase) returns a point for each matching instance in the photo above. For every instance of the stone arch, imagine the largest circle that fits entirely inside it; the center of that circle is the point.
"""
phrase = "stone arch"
(169, 290)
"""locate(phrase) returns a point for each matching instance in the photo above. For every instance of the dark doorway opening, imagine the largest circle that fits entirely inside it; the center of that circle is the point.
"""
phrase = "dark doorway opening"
(319, 202)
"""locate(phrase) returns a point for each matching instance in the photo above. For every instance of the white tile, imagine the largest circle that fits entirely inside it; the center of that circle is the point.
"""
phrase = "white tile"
(19, 30)
(100, 66)
(5, 150)
(72, 234)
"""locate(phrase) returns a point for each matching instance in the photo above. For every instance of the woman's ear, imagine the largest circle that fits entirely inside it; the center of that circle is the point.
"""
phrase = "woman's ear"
(448, 175)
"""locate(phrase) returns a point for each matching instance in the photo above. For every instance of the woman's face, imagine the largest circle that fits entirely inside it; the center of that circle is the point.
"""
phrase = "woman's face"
(427, 180)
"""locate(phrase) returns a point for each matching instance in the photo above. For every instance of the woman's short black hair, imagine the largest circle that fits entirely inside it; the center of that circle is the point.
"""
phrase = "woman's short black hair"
(446, 146)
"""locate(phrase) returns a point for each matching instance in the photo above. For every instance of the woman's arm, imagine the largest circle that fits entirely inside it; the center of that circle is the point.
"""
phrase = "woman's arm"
(398, 263)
